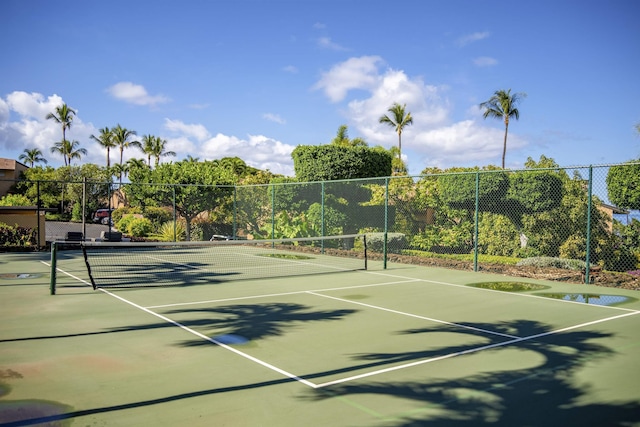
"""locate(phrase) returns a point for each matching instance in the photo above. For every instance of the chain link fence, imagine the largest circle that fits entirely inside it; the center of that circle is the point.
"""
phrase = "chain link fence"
(518, 221)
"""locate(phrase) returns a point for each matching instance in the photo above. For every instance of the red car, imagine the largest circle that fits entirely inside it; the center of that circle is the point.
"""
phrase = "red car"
(102, 215)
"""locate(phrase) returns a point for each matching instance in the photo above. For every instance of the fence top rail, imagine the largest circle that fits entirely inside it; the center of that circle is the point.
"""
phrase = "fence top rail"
(350, 180)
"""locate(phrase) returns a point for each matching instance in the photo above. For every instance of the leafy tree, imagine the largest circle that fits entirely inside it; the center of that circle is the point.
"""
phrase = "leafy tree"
(63, 115)
(513, 194)
(32, 156)
(342, 139)
(196, 186)
(623, 185)
(331, 162)
(49, 188)
(105, 139)
(15, 200)
(399, 120)
(69, 150)
(503, 105)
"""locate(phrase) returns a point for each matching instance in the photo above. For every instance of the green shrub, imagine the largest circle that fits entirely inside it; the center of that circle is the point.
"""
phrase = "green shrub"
(17, 236)
(123, 223)
(139, 227)
(119, 213)
(158, 216)
(396, 242)
(169, 233)
(545, 261)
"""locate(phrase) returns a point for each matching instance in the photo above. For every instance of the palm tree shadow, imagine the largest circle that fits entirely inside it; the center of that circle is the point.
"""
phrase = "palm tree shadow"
(254, 321)
(545, 395)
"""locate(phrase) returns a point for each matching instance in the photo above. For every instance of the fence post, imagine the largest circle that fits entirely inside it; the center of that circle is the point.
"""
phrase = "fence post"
(175, 216)
(322, 225)
(273, 211)
(38, 229)
(235, 211)
(84, 207)
(52, 278)
(386, 222)
(589, 204)
(475, 226)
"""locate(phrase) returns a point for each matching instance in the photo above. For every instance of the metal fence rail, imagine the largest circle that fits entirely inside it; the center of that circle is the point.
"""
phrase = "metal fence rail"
(560, 217)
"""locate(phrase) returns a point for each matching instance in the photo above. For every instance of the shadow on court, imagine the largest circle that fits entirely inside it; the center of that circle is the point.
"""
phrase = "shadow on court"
(255, 321)
(547, 395)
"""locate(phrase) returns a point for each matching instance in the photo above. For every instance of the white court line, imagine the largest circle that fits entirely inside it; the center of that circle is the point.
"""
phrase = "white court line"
(514, 294)
(472, 350)
(281, 294)
(458, 325)
(368, 374)
(198, 334)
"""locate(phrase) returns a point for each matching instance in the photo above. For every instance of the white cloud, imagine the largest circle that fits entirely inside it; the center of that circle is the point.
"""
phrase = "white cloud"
(257, 151)
(23, 125)
(485, 61)
(290, 69)
(471, 38)
(354, 73)
(327, 43)
(434, 138)
(274, 118)
(135, 94)
(196, 131)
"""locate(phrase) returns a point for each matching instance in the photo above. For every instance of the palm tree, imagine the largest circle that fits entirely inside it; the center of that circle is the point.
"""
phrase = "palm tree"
(32, 156)
(503, 105)
(63, 116)
(398, 120)
(69, 150)
(147, 146)
(106, 141)
(158, 151)
(342, 138)
(121, 139)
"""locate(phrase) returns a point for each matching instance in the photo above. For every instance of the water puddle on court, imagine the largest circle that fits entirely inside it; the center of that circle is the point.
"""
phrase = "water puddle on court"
(19, 276)
(584, 298)
(593, 299)
(231, 339)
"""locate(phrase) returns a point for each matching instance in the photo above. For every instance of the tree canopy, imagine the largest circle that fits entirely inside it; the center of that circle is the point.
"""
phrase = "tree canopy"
(623, 185)
(332, 162)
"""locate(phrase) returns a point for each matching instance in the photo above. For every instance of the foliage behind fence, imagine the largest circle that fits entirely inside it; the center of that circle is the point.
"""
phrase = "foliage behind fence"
(496, 215)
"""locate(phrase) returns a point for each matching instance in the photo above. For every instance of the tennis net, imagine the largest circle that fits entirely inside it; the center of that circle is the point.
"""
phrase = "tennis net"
(134, 264)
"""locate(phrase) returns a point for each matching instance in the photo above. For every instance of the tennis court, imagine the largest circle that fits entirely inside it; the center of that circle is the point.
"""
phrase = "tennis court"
(348, 346)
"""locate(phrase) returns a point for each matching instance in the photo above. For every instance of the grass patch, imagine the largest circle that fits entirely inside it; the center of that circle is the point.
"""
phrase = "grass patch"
(287, 256)
(543, 261)
(490, 259)
(509, 286)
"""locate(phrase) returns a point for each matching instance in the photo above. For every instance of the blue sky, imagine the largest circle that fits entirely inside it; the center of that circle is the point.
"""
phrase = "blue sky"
(254, 79)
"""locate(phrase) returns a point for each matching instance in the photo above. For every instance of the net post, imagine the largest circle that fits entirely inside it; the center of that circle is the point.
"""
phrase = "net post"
(364, 242)
(54, 260)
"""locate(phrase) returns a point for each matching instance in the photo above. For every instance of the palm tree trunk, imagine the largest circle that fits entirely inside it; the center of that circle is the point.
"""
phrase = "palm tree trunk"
(504, 146)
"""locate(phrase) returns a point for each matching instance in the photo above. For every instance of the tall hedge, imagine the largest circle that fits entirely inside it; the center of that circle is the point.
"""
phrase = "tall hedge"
(331, 162)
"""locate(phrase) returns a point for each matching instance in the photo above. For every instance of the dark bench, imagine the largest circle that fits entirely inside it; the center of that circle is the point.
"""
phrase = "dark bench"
(111, 236)
(73, 236)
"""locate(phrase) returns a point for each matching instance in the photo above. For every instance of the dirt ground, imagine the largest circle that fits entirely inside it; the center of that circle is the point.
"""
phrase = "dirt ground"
(599, 278)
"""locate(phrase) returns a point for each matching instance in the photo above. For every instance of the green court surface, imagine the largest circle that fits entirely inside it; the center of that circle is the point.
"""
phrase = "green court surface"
(402, 346)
